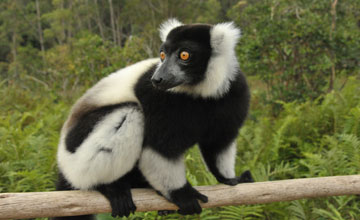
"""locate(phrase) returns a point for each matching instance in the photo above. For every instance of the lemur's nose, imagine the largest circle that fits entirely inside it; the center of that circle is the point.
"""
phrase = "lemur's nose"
(156, 81)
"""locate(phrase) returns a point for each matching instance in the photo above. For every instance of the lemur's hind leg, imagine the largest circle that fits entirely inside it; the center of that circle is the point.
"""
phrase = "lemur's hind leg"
(119, 195)
(220, 159)
(108, 152)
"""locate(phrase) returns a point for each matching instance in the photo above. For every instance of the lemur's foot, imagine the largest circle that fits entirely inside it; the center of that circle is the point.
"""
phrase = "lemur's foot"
(245, 177)
(120, 200)
(186, 198)
(122, 204)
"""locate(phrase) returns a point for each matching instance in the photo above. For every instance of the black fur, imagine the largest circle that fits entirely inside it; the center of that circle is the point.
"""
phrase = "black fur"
(177, 121)
(119, 194)
(187, 199)
(86, 124)
(106, 150)
(174, 121)
(121, 123)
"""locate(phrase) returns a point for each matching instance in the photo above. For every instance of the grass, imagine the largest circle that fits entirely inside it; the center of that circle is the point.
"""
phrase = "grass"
(311, 139)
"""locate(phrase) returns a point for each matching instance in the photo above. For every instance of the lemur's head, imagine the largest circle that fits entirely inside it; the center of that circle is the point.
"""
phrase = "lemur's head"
(197, 59)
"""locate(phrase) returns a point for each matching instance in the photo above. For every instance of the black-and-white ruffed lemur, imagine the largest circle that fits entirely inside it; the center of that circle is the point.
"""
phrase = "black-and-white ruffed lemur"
(133, 127)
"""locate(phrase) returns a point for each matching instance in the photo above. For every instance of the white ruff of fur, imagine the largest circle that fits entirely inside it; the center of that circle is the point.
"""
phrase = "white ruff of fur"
(91, 165)
(163, 174)
(222, 67)
(225, 161)
(167, 26)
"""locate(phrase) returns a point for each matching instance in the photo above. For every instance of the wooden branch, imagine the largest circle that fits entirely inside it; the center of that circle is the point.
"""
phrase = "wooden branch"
(65, 203)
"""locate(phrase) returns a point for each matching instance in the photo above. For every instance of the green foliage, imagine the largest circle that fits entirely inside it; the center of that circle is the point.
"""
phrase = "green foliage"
(29, 132)
(309, 139)
(87, 60)
(298, 47)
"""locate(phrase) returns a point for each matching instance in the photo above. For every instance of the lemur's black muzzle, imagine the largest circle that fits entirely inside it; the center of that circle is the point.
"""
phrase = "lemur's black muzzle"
(167, 76)
(163, 81)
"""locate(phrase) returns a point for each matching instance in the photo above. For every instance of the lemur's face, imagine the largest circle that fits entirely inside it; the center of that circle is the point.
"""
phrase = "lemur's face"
(184, 57)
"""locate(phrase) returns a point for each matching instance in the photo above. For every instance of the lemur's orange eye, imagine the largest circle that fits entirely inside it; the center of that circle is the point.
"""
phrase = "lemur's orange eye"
(184, 55)
(162, 55)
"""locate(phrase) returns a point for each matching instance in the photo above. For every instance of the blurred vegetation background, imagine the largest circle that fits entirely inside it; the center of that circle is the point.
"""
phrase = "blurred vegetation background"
(301, 58)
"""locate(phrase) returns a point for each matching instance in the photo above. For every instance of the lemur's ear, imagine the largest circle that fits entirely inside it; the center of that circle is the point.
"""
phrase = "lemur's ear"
(167, 26)
(224, 37)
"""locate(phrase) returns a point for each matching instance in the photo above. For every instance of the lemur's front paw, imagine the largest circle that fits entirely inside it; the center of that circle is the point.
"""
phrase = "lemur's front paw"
(245, 177)
(187, 199)
(121, 201)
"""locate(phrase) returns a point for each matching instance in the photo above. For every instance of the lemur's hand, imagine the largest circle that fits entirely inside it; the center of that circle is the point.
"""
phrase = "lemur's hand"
(187, 199)
(245, 177)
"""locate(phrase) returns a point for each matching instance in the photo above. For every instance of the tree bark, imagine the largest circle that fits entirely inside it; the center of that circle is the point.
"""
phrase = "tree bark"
(118, 28)
(112, 21)
(70, 25)
(40, 32)
(98, 21)
(14, 51)
(62, 38)
(65, 203)
(88, 21)
(332, 55)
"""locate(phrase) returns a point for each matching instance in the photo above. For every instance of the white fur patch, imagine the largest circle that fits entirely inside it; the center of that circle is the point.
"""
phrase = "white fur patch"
(163, 174)
(225, 161)
(167, 26)
(119, 86)
(116, 88)
(89, 165)
(223, 65)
